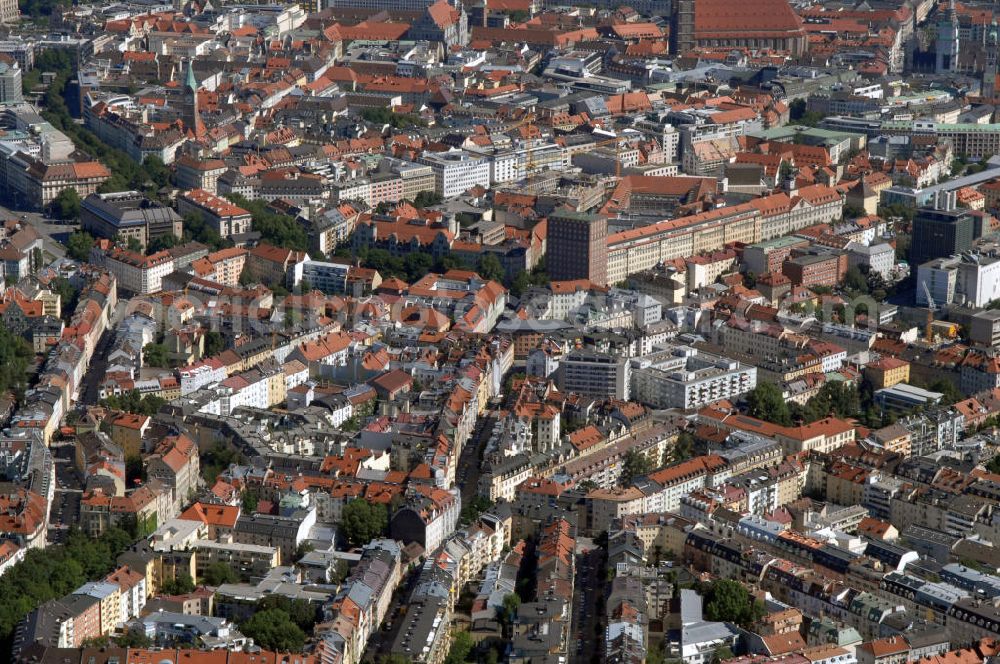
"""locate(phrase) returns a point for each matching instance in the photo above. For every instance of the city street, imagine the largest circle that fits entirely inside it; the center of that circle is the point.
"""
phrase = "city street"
(64, 511)
(588, 596)
(91, 384)
(53, 232)
(467, 479)
(382, 638)
(470, 463)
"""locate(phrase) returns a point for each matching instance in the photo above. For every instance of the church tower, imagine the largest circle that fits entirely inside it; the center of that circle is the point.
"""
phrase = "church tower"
(682, 26)
(989, 85)
(946, 44)
(193, 123)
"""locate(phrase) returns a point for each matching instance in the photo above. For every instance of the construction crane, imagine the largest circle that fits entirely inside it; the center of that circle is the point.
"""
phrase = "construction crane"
(529, 122)
(931, 308)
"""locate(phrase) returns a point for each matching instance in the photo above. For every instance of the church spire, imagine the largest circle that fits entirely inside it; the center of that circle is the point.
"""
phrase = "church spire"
(194, 124)
(989, 82)
(946, 45)
(191, 83)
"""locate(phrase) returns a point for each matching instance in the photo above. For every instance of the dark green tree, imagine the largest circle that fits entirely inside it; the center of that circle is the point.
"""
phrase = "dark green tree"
(341, 570)
(721, 654)
(636, 464)
(182, 584)
(133, 639)
(385, 116)
(490, 268)
(156, 355)
(54, 572)
(448, 262)
(280, 230)
(729, 601)
(656, 655)
(681, 450)
(250, 501)
(461, 648)
(162, 242)
(40, 8)
(511, 603)
(475, 507)
(427, 199)
(215, 343)
(796, 109)
(833, 399)
(195, 228)
(855, 281)
(68, 294)
(78, 245)
(218, 573)
(799, 114)
(948, 389)
(67, 204)
(897, 211)
(151, 404)
(362, 521)
(766, 402)
(417, 264)
(538, 276)
(156, 170)
(853, 212)
(300, 611)
(520, 284)
(15, 353)
(129, 401)
(273, 629)
(216, 459)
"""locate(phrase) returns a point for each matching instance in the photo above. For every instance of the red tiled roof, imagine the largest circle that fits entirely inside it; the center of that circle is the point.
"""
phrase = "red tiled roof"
(216, 515)
(767, 16)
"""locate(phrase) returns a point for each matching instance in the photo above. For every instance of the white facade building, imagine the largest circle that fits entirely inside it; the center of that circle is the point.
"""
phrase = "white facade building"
(880, 258)
(198, 375)
(971, 279)
(328, 277)
(687, 378)
(137, 273)
(541, 362)
(516, 164)
(457, 171)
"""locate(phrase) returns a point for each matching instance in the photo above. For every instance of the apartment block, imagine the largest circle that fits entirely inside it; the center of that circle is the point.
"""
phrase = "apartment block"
(596, 374)
(688, 378)
(222, 216)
